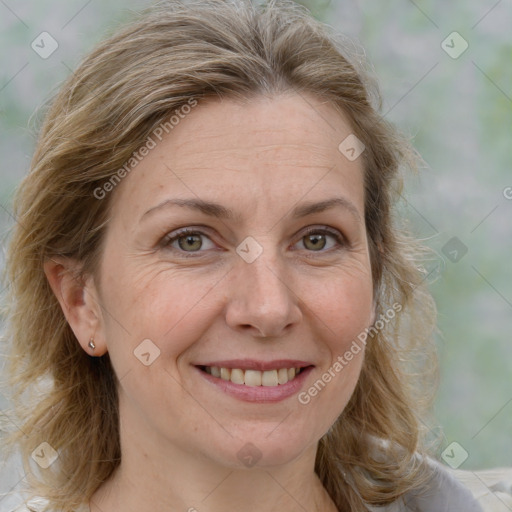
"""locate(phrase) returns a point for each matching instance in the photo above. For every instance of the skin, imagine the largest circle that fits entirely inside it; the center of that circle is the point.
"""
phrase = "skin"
(179, 434)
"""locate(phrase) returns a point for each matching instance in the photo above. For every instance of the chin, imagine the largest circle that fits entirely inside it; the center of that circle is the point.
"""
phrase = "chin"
(266, 448)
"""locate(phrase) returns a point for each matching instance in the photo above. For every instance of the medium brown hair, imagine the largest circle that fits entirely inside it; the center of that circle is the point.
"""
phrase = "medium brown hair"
(174, 53)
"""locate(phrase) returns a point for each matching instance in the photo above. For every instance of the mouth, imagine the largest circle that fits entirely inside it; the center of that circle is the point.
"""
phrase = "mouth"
(256, 381)
(254, 378)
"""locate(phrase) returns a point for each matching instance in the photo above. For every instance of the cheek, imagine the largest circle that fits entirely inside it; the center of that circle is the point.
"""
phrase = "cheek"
(344, 305)
(343, 311)
(147, 302)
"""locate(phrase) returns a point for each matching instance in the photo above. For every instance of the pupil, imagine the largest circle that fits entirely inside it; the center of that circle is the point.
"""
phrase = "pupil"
(317, 241)
(191, 242)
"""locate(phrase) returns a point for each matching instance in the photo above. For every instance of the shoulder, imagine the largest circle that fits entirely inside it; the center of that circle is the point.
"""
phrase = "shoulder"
(444, 492)
(33, 505)
(491, 487)
(40, 505)
(457, 491)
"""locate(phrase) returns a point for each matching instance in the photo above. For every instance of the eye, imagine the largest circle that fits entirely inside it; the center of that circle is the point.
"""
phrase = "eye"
(322, 239)
(187, 240)
(190, 241)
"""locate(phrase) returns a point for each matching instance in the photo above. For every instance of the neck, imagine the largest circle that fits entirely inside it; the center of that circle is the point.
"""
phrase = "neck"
(255, 490)
(158, 475)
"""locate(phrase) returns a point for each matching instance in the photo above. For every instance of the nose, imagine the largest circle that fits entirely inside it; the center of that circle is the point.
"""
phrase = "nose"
(261, 300)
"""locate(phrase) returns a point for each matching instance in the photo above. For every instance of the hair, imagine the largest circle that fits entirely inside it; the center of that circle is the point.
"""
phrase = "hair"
(170, 55)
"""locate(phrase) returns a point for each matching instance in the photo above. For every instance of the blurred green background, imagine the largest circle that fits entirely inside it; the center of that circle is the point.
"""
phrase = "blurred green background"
(457, 111)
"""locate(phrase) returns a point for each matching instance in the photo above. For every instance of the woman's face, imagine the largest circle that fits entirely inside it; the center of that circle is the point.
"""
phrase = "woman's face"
(272, 273)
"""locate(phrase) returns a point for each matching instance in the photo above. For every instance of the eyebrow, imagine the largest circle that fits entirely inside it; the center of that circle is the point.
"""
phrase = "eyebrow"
(310, 208)
(221, 212)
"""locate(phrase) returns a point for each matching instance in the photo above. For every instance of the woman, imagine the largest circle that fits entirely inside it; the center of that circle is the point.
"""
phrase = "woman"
(220, 300)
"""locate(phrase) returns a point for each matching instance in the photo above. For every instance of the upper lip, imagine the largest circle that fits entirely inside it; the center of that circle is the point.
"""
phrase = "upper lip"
(254, 364)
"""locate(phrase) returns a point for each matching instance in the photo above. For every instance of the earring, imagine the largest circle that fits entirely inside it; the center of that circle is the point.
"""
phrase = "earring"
(92, 346)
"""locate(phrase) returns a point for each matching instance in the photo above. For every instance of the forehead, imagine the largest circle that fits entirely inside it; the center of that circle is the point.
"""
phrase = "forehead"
(284, 147)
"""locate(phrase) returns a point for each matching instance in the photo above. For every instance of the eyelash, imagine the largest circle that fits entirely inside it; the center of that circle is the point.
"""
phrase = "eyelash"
(170, 238)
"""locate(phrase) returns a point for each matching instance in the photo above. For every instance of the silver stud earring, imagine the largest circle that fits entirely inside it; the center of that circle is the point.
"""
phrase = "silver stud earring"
(92, 346)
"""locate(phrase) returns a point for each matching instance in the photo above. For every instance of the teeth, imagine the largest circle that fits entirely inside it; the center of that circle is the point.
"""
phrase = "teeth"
(270, 378)
(252, 378)
(282, 375)
(237, 376)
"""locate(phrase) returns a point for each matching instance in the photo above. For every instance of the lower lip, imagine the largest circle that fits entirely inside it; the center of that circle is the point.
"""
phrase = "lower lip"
(258, 394)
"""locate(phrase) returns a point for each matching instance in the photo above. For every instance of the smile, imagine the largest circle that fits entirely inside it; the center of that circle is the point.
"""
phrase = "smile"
(256, 381)
(269, 378)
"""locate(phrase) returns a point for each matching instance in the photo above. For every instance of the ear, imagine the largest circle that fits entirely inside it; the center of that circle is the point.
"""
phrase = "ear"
(79, 301)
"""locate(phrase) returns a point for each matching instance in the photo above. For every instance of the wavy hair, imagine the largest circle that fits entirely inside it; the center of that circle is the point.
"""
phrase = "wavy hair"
(169, 55)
